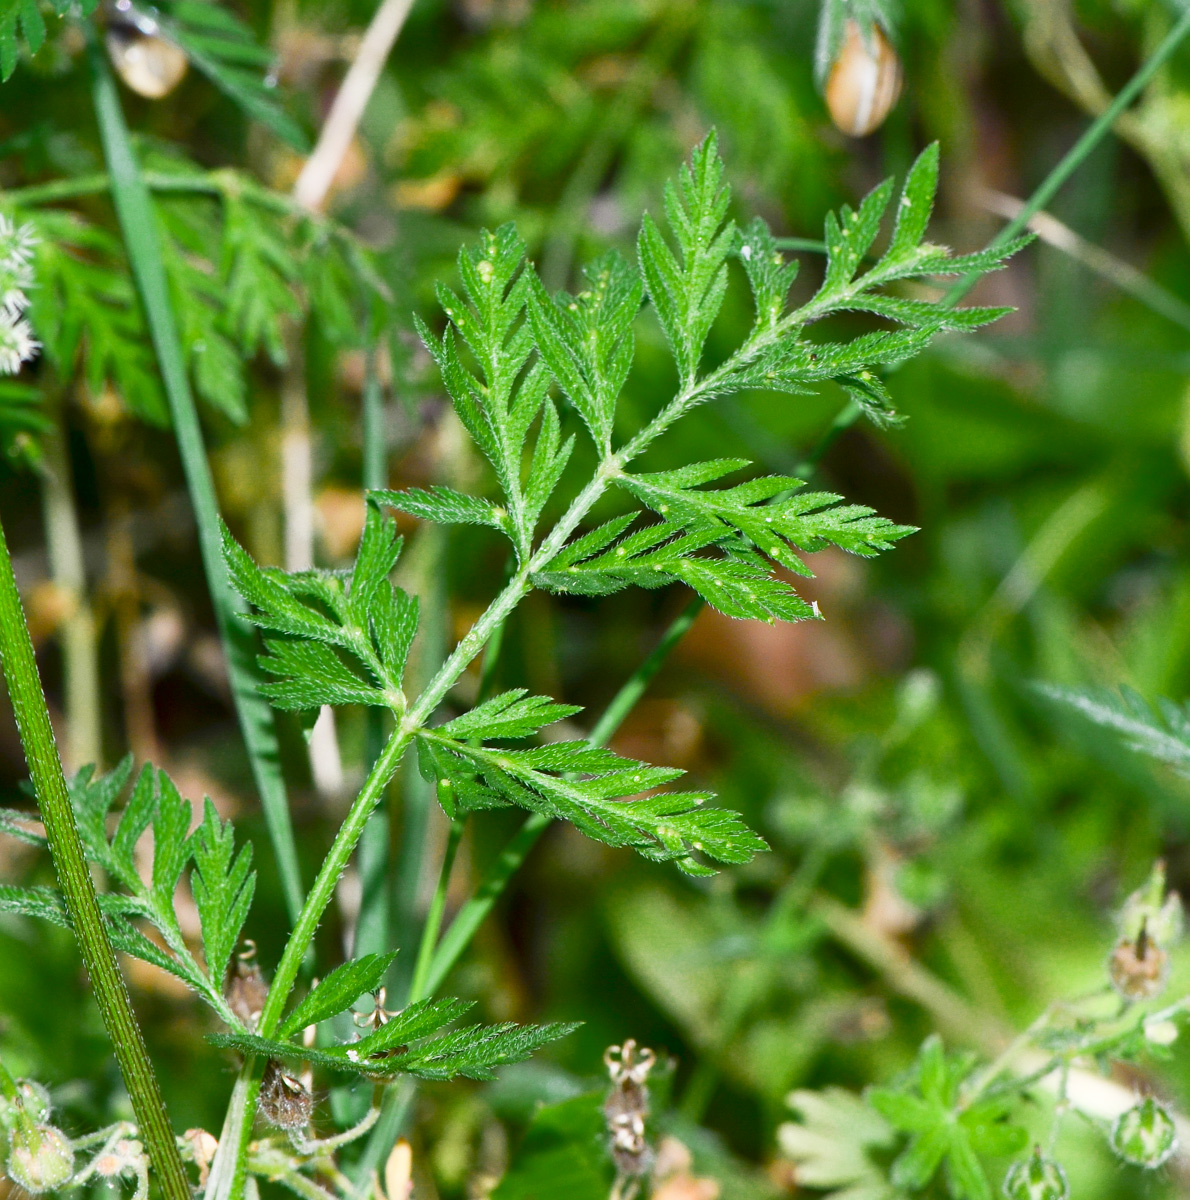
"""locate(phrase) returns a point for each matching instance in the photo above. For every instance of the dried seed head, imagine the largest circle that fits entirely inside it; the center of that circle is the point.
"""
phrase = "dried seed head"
(865, 81)
(627, 1106)
(1036, 1178)
(1139, 968)
(39, 1158)
(1145, 1135)
(284, 1100)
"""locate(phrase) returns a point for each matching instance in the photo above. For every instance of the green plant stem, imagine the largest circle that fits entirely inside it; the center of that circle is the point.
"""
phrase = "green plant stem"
(323, 888)
(138, 223)
(70, 866)
(372, 925)
(238, 1127)
(419, 989)
(1077, 154)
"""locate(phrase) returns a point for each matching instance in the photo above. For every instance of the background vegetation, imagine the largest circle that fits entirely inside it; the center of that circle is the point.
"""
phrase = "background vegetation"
(949, 844)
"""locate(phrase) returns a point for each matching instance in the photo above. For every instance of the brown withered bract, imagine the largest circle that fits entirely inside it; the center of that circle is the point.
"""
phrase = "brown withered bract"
(1138, 968)
(627, 1106)
(246, 988)
(284, 1100)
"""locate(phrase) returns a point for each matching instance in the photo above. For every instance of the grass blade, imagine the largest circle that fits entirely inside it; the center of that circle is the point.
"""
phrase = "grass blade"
(134, 210)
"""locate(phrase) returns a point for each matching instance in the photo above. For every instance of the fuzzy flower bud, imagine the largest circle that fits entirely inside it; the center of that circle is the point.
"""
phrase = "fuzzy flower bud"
(1036, 1178)
(40, 1158)
(35, 1098)
(1145, 1135)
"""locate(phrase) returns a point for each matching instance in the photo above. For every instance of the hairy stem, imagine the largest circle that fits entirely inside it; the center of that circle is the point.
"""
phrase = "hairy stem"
(138, 223)
(70, 865)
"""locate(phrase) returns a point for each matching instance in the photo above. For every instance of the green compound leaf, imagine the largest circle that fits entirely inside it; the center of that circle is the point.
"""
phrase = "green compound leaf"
(21, 23)
(499, 403)
(338, 991)
(590, 787)
(687, 294)
(784, 360)
(344, 639)
(775, 522)
(942, 1130)
(738, 584)
(223, 884)
(473, 1052)
(586, 340)
(224, 50)
(221, 880)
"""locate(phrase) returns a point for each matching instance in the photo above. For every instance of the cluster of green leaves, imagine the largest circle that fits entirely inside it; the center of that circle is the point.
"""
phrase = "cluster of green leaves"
(410, 1042)
(333, 637)
(779, 357)
(585, 344)
(942, 1128)
(499, 404)
(221, 878)
(222, 883)
(240, 265)
(22, 23)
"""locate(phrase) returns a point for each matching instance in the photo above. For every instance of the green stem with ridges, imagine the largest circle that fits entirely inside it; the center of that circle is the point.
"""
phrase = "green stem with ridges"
(74, 876)
(138, 223)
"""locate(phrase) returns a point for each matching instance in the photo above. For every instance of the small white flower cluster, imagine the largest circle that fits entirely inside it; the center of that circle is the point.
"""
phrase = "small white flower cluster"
(17, 343)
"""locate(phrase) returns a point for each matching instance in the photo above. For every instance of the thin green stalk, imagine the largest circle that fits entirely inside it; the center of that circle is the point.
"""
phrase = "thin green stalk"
(806, 245)
(1076, 156)
(419, 989)
(372, 925)
(323, 888)
(70, 866)
(138, 223)
(415, 792)
(228, 1183)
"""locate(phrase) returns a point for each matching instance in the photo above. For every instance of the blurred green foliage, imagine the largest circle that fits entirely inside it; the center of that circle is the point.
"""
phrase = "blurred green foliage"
(924, 801)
